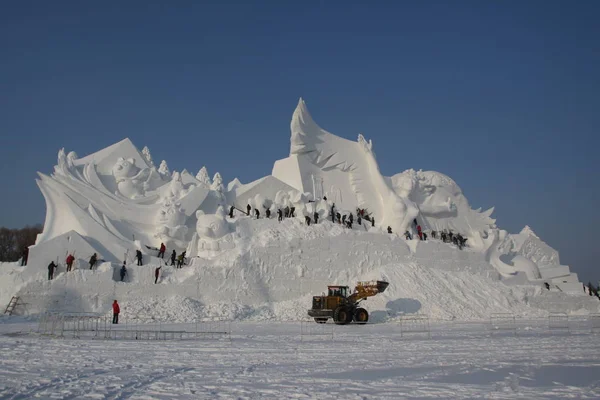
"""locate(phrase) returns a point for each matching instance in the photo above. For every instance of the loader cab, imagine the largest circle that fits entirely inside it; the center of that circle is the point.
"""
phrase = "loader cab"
(338, 291)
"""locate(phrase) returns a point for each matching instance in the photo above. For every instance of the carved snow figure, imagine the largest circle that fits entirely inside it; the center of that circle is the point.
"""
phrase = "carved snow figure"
(212, 233)
(212, 226)
(203, 177)
(170, 222)
(132, 181)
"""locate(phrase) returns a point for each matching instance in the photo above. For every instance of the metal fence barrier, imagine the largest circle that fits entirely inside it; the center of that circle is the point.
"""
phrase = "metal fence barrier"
(415, 323)
(309, 329)
(503, 322)
(558, 321)
(90, 326)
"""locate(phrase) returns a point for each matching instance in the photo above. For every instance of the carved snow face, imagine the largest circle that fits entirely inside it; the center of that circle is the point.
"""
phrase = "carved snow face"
(124, 169)
(171, 215)
(211, 225)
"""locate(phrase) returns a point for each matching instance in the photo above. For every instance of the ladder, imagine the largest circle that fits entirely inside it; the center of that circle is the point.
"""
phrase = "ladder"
(12, 304)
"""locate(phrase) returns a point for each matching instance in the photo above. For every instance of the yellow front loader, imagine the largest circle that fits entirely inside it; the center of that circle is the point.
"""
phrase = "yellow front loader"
(342, 306)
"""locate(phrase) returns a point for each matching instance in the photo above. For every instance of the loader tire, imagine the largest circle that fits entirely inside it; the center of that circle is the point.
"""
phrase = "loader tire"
(342, 315)
(361, 316)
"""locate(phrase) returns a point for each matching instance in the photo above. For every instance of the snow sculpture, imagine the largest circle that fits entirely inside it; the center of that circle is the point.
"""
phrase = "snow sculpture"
(132, 181)
(212, 226)
(163, 169)
(203, 177)
(348, 168)
(147, 156)
(170, 222)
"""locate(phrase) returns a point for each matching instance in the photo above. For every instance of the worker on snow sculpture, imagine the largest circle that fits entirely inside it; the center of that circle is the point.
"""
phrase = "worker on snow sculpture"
(51, 268)
(123, 271)
(407, 235)
(116, 311)
(93, 260)
(161, 252)
(25, 256)
(292, 209)
(231, 212)
(339, 217)
(248, 208)
(69, 262)
(173, 257)
(419, 232)
(316, 217)
(333, 213)
(424, 236)
(279, 215)
(138, 255)
(389, 229)
(307, 220)
(268, 213)
(156, 274)
(257, 213)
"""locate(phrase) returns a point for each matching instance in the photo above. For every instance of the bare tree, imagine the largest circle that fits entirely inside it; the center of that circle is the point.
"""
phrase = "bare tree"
(14, 241)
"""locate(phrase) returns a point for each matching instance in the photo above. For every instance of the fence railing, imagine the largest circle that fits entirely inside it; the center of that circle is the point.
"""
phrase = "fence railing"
(102, 327)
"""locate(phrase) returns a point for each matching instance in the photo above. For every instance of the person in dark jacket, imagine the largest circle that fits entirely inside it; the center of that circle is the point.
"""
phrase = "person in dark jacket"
(248, 208)
(257, 213)
(351, 218)
(93, 260)
(316, 217)
(138, 255)
(116, 311)
(424, 236)
(161, 252)
(286, 212)
(344, 219)
(173, 257)
(358, 220)
(123, 271)
(268, 213)
(156, 274)
(389, 229)
(51, 268)
(373, 221)
(279, 215)
(547, 285)
(407, 235)
(231, 212)
(339, 217)
(25, 256)
(292, 209)
(433, 234)
(333, 213)
(307, 220)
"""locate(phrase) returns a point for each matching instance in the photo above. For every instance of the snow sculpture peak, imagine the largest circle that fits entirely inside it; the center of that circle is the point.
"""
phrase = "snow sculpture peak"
(163, 169)
(528, 231)
(203, 177)
(304, 130)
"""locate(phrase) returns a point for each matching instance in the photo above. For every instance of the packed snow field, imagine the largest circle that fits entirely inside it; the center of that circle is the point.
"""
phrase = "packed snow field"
(274, 361)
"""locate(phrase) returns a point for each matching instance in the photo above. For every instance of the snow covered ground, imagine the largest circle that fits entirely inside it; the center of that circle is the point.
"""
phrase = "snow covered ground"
(274, 361)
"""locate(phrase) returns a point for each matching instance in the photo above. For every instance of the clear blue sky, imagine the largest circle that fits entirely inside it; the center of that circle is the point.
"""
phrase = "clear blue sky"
(502, 96)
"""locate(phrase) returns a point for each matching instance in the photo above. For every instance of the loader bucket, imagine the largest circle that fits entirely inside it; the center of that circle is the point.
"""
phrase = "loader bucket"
(381, 286)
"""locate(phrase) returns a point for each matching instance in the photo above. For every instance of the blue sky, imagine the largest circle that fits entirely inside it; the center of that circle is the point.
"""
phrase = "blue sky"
(501, 96)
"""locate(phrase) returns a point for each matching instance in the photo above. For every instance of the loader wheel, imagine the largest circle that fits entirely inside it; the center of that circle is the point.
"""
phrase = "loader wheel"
(342, 316)
(321, 320)
(361, 316)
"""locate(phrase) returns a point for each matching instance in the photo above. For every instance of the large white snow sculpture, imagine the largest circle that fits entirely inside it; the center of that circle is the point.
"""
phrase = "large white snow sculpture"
(117, 200)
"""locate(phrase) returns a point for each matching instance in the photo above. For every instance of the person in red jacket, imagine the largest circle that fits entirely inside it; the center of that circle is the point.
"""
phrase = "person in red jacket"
(161, 252)
(420, 232)
(116, 311)
(69, 262)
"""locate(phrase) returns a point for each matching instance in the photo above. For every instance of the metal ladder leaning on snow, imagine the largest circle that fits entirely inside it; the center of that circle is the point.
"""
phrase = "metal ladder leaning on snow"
(12, 304)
